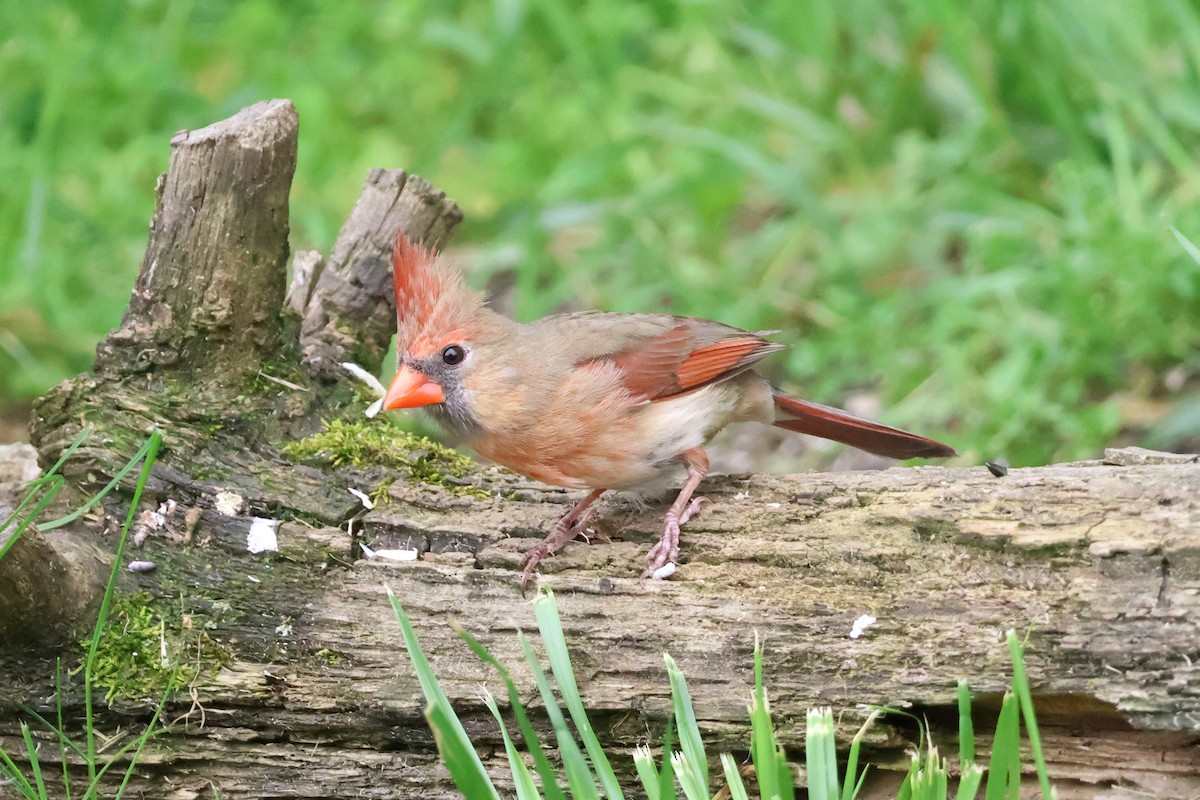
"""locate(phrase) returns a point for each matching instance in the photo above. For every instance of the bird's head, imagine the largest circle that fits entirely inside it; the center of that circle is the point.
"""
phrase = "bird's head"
(439, 319)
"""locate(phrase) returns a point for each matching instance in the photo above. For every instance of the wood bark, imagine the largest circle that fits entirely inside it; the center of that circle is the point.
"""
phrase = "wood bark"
(1098, 562)
(352, 313)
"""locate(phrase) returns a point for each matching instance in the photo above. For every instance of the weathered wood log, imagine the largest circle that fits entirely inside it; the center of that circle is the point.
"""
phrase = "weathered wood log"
(211, 284)
(309, 693)
(205, 351)
(352, 314)
(1098, 563)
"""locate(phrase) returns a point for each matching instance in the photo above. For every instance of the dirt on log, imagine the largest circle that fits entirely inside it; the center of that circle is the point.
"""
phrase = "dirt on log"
(302, 688)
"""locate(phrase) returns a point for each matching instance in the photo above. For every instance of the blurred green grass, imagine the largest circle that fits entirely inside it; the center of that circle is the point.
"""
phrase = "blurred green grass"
(959, 207)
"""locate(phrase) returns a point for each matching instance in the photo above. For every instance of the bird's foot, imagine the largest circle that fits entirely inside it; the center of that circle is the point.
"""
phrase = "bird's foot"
(563, 531)
(661, 560)
(693, 508)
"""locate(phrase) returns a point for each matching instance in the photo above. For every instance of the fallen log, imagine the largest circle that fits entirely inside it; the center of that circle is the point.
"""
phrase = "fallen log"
(299, 686)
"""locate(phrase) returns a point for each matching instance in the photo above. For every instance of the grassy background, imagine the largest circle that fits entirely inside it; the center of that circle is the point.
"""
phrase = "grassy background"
(960, 208)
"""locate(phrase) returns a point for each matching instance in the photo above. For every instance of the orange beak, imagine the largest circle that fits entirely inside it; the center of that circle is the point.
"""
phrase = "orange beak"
(411, 389)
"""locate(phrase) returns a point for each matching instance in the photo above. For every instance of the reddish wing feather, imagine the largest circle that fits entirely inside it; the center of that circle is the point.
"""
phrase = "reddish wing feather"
(675, 362)
(721, 359)
(649, 370)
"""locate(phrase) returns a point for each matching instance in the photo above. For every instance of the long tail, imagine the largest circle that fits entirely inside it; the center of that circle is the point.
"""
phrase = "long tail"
(815, 419)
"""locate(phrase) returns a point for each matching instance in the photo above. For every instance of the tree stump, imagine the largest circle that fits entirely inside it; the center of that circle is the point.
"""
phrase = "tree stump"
(312, 696)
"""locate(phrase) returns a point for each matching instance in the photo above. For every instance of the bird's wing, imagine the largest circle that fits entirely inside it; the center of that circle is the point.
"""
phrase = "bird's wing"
(662, 356)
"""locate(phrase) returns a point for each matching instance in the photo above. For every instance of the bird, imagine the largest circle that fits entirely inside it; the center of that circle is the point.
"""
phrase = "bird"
(595, 400)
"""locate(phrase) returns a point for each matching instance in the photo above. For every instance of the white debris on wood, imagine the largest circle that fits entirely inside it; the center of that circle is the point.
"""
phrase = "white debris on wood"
(389, 555)
(664, 572)
(261, 538)
(286, 384)
(142, 566)
(371, 382)
(229, 503)
(147, 523)
(363, 498)
(860, 625)
(365, 377)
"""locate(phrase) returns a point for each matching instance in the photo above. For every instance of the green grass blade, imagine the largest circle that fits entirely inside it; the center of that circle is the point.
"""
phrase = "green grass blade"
(63, 741)
(57, 731)
(1006, 750)
(93, 789)
(112, 484)
(1187, 244)
(643, 764)
(852, 784)
(820, 755)
(1025, 696)
(905, 792)
(770, 763)
(12, 773)
(35, 764)
(762, 737)
(44, 489)
(733, 778)
(690, 741)
(969, 781)
(658, 783)
(463, 763)
(550, 626)
(459, 756)
(146, 735)
(44, 494)
(533, 744)
(689, 777)
(522, 777)
(580, 779)
(147, 455)
(666, 776)
(966, 728)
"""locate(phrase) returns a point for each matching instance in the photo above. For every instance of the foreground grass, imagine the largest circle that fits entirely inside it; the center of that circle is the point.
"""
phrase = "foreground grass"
(592, 776)
(28, 779)
(959, 207)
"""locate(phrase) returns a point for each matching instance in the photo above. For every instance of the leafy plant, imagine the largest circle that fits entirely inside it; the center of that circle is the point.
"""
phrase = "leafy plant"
(33, 785)
(591, 777)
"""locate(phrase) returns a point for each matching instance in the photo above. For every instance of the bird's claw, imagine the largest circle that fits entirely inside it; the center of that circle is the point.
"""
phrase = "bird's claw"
(664, 552)
(693, 508)
(559, 535)
(662, 560)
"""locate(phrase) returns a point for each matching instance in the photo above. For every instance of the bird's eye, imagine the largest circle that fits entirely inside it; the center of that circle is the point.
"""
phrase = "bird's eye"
(453, 355)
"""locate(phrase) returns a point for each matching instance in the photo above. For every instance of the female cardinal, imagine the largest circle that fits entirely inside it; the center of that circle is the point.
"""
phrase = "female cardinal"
(595, 400)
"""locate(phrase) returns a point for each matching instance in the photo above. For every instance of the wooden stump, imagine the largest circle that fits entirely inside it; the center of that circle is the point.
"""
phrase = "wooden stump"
(313, 696)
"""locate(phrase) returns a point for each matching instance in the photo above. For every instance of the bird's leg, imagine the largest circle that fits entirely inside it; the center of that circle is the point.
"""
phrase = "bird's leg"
(666, 551)
(563, 531)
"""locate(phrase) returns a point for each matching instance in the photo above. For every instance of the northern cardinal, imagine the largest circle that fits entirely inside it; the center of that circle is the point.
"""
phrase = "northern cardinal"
(595, 400)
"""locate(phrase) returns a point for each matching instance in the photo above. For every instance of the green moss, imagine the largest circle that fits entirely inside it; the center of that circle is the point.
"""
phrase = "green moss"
(380, 493)
(147, 648)
(329, 658)
(363, 443)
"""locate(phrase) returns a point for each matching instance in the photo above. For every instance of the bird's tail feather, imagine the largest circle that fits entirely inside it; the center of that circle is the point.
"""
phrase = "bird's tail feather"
(827, 422)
